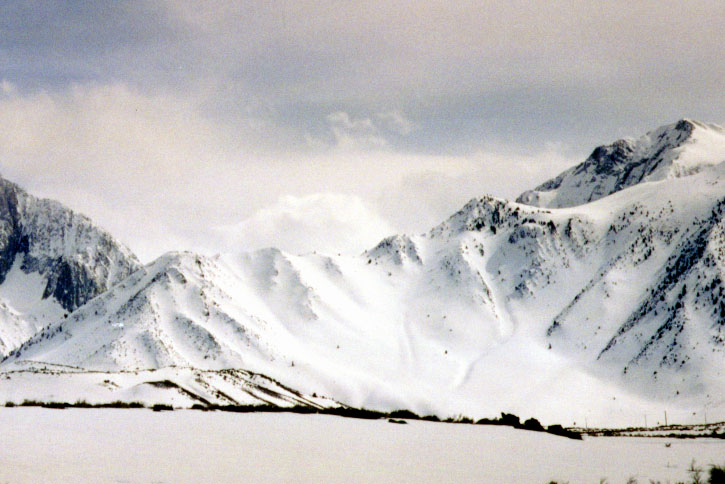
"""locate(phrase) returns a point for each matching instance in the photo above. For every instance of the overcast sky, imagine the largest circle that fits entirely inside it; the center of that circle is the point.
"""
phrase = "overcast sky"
(216, 126)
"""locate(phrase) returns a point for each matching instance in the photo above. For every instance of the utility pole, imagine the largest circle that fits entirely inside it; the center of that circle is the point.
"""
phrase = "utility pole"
(665, 418)
(645, 420)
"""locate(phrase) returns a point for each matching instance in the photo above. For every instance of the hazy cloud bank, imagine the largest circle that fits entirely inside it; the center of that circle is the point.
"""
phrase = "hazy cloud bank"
(154, 171)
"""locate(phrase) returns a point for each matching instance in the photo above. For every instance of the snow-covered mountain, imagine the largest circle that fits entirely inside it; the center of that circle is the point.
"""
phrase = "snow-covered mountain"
(601, 308)
(52, 261)
(671, 151)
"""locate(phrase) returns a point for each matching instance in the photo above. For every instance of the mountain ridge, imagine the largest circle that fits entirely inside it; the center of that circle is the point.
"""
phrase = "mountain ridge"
(617, 299)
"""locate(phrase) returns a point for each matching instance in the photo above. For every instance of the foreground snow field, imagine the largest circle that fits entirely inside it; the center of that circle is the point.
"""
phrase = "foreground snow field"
(141, 446)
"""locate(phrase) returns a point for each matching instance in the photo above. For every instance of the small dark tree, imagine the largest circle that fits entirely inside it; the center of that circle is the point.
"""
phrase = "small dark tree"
(557, 429)
(717, 475)
(510, 420)
(533, 424)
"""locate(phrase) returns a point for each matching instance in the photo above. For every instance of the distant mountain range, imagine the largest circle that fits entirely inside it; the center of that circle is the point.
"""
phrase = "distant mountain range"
(599, 293)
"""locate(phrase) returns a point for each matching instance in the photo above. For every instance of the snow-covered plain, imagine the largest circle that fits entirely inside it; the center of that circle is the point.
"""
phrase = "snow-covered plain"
(141, 446)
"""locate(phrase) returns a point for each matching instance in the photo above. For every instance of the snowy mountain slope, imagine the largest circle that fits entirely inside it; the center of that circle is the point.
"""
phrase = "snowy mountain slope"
(675, 150)
(165, 314)
(182, 387)
(466, 316)
(52, 260)
(612, 306)
(634, 314)
(611, 278)
(338, 325)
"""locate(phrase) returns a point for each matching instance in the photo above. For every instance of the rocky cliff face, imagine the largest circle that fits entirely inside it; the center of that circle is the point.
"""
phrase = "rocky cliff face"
(41, 239)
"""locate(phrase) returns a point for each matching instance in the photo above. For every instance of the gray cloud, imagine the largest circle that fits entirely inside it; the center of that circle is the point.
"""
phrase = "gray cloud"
(202, 114)
(494, 70)
(158, 175)
(326, 223)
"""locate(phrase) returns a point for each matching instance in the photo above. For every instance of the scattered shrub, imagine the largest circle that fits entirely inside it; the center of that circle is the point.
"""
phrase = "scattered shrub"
(460, 419)
(31, 403)
(363, 413)
(120, 404)
(509, 419)
(562, 432)
(430, 418)
(396, 421)
(403, 414)
(159, 407)
(56, 405)
(717, 475)
(695, 473)
(533, 424)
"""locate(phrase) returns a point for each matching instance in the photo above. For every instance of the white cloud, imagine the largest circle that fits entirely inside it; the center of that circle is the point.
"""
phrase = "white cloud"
(322, 222)
(348, 133)
(422, 198)
(152, 170)
(354, 134)
(395, 121)
(371, 50)
(133, 162)
(198, 116)
(460, 71)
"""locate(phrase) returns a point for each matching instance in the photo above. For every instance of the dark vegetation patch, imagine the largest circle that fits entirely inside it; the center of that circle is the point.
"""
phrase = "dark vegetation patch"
(77, 404)
(672, 431)
(161, 407)
(696, 473)
(511, 420)
(396, 416)
(717, 474)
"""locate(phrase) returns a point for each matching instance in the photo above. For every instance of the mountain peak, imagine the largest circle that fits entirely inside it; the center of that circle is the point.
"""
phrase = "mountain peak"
(58, 253)
(675, 150)
(687, 124)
